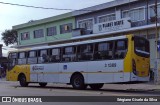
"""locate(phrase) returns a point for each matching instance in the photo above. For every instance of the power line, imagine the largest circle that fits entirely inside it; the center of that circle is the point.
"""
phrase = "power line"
(29, 6)
(37, 7)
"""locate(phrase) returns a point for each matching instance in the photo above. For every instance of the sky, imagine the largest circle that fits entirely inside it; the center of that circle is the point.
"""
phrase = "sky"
(13, 15)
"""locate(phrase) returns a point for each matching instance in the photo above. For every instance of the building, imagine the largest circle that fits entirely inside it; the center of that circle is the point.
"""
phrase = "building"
(3, 62)
(113, 18)
(41, 32)
(1, 50)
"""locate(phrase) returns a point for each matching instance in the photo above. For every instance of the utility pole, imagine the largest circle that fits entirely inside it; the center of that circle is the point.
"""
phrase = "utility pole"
(156, 37)
(147, 14)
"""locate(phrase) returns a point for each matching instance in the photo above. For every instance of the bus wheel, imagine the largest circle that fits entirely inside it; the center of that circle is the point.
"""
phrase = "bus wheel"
(42, 84)
(96, 86)
(22, 80)
(77, 82)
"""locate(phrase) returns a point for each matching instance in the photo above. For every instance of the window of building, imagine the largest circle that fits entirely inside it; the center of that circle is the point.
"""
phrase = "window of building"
(135, 14)
(51, 31)
(66, 28)
(107, 18)
(151, 36)
(152, 10)
(25, 36)
(87, 24)
(38, 33)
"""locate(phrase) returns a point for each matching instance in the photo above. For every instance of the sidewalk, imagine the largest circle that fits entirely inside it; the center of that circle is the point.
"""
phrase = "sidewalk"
(2, 79)
(150, 86)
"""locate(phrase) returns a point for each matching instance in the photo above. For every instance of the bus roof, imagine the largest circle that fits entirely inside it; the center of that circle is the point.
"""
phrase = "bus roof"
(71, 43)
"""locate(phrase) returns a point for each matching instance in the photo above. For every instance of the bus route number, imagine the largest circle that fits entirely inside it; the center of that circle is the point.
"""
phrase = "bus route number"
(110, 64)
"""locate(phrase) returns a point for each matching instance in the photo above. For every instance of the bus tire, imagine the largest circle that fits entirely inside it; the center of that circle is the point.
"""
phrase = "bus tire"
(77, 82)
(42, 84)
(22, 80)
(96, 86)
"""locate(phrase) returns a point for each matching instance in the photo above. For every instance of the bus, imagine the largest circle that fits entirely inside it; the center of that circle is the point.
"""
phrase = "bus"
(93, 63)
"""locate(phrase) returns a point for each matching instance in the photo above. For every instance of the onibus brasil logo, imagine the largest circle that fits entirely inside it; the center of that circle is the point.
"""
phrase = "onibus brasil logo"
(20, 99)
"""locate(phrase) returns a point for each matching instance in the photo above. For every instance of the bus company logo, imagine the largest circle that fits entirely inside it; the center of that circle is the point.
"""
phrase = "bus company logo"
(6, 99)
(34, 68)
(65, 67)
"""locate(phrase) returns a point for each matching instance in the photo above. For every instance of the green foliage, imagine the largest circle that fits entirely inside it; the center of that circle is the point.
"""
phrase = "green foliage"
(9, 37)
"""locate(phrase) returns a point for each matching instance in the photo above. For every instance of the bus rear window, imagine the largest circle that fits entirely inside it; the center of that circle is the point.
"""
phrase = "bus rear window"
(141, 46)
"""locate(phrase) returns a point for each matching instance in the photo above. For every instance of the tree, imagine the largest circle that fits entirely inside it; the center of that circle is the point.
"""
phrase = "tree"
(9, 37)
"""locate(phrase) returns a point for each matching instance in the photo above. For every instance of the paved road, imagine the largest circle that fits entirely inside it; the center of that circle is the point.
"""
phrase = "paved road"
(13, 89)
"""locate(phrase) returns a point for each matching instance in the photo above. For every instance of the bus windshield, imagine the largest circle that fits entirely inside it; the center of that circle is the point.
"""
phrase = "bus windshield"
(141, 46)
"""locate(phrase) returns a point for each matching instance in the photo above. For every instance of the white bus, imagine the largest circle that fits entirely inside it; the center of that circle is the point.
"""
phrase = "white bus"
(91, 62)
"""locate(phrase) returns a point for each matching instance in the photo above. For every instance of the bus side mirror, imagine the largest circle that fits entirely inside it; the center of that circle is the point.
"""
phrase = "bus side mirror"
(132, 38)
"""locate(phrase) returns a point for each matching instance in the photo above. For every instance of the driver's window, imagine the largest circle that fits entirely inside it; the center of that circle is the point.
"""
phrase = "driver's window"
(12, 60)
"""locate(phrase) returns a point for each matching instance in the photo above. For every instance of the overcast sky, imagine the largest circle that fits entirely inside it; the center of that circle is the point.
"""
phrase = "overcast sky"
(14, 15)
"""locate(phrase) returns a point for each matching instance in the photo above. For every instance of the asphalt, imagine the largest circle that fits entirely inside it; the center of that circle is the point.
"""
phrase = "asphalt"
(148, 86)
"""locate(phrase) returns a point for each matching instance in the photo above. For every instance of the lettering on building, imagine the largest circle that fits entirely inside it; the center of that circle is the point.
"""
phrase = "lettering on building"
(112, 26)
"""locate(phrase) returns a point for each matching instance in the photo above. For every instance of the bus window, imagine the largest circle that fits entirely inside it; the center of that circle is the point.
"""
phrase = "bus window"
(32, 57)
(120, 49)
(85, 52)
(22, 58)
(32, 54)
(55, 55)
(141, 46)
(43, 56)
(12, 60)
(22, 55)
(69, 54)
(103, 50)
(12, 55)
